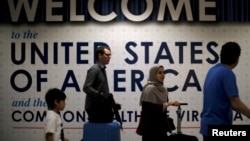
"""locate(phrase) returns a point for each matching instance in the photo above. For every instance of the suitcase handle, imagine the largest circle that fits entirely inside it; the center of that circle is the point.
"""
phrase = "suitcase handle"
(183, 104)
(179, 118)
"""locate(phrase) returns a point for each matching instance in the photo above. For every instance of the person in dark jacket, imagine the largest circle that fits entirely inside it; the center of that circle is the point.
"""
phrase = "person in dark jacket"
(154, 102)
(99, 102)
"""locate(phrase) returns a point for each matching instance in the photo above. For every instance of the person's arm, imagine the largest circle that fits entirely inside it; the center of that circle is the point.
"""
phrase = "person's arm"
(170, 103)
(88, 86)
(239, 106)
(49, 136)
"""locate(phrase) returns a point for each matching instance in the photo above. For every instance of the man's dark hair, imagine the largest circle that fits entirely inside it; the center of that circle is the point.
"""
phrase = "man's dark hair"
(230, 53)
(100, 50)
(53, 95)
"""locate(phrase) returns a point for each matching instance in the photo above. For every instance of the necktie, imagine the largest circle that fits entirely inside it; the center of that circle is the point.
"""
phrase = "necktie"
(106, 80)
(114, 105)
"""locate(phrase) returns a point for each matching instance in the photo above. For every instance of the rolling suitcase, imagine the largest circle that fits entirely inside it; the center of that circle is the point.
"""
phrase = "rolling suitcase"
(101, 131)
(179, 136)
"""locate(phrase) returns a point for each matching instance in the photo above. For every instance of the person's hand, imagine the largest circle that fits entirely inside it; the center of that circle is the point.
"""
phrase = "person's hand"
(165, 106)
(118, 106)
(175, 103)
(171, 103)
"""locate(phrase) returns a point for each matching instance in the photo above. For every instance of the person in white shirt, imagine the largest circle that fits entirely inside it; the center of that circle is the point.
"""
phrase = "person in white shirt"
(53, 127)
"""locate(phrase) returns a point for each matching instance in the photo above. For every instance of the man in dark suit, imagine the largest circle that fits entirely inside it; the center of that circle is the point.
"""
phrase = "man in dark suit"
(99, 103)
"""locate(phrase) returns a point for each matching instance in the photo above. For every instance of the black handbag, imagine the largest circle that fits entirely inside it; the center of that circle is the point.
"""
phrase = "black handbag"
(139, 127)
(169, 124)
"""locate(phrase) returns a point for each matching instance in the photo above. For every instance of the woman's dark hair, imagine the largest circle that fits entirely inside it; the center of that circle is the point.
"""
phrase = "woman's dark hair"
(100, 50)
(52, 95)
(230, 53)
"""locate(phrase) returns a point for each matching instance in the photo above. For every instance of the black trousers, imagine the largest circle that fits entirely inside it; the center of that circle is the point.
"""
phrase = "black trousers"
(205, 138)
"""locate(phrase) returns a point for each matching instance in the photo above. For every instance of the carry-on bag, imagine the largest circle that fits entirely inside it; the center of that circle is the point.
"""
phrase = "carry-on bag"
(101, 131)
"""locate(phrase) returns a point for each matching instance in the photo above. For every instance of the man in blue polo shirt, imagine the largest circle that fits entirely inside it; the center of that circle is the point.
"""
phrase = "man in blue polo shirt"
(220, 91)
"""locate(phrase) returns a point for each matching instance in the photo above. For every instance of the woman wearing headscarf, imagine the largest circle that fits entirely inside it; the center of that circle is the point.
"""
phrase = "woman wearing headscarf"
(154, 102)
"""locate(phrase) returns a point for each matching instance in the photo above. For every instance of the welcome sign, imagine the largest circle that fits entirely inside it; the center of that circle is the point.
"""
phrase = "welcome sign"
(81, 11)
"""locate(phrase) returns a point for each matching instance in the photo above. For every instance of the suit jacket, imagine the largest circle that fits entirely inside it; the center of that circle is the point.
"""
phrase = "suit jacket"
(95, 83)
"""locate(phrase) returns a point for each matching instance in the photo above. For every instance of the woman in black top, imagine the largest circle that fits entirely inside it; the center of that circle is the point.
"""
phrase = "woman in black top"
(154, 102)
